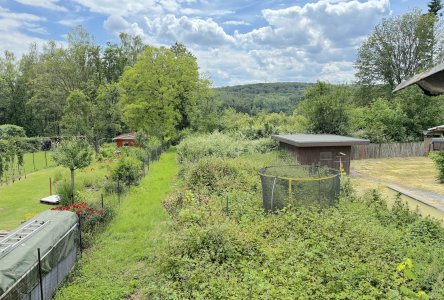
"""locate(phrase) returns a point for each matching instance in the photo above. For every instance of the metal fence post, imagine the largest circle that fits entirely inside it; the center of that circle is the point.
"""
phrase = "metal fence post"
(40, 274)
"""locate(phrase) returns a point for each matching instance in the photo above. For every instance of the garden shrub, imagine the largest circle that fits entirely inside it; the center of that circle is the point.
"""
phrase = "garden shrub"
(127, 171)
(107, 152)
(438, 159)
(221, 145)
(219, 176)
(92, 218)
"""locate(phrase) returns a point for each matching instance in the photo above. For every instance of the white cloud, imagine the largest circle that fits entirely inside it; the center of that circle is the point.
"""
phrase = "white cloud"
(303, 42)
(48, 4)
(189, 30)
(319, 24)
(117, 24)
(11, 35)
(235, 23)
(130, 7)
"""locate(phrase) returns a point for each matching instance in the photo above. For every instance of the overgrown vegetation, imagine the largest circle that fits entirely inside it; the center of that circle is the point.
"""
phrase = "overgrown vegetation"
(217, 144)
(222, 245)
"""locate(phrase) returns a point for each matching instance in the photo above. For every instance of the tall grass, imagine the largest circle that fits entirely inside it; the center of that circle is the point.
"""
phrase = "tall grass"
(116, 266)
(217, 144)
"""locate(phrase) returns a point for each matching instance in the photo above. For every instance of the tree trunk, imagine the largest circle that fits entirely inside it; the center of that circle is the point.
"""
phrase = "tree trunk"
(96, 145)
(72, 185)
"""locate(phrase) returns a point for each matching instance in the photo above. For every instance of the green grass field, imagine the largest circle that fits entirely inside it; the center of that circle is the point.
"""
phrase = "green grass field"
(39, 161)
(21, 200)
(116, 266)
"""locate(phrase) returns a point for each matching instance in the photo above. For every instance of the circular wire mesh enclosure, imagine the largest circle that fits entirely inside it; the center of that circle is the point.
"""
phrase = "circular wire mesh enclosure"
(299, 186)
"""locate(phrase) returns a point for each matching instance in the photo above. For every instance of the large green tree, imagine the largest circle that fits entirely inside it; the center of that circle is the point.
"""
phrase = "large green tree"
(162, 92)
(325, 106)
(95, 118)
(62, 70)
(398, 48)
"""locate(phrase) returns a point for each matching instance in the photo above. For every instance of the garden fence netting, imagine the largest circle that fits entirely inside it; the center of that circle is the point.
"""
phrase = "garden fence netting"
(299, 186)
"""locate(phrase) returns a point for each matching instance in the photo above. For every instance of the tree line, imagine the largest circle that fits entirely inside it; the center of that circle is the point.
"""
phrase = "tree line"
(84, 89)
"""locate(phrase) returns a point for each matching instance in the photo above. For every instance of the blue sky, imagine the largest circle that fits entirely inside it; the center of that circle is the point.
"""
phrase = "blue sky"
(235, 41)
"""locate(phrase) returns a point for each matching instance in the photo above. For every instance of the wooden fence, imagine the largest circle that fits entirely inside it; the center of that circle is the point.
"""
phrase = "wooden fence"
(387, 150)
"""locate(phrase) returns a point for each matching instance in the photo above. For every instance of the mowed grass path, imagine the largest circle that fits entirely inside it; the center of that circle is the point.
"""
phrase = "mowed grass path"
(115, 267)
(23, 197)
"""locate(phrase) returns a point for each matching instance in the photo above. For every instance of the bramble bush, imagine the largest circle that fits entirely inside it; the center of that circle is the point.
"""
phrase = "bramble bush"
(360, 249)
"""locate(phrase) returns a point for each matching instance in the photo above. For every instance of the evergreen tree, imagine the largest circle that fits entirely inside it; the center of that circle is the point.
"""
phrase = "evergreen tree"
(434, 7)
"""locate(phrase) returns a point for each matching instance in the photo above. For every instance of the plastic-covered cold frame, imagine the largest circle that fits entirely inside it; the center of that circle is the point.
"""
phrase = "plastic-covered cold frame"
(299, 186)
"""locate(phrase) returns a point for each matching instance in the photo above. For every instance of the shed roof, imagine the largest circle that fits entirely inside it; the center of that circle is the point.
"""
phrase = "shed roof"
(126, 136)
(434, 130)
(430, 81)
(319, 140)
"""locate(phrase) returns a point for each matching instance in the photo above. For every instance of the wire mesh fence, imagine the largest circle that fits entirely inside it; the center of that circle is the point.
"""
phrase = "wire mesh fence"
(299, 186)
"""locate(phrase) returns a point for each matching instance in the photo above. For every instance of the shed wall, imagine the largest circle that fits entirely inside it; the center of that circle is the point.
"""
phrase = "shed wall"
(319, 155)
(121, 143)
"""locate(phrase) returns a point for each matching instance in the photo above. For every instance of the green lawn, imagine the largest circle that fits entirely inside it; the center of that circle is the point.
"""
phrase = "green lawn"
(116, 266)
(39, 161)
(22, 197)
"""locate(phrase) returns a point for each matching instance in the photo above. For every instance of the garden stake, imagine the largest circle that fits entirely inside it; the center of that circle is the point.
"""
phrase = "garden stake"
(101, 199)
(40, 274)
(118, 190)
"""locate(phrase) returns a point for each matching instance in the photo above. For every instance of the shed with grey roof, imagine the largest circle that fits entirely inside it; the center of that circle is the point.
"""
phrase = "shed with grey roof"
(320, 149)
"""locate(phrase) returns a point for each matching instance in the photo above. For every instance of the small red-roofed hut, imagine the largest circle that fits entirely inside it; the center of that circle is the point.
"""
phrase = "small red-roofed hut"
(126, 140)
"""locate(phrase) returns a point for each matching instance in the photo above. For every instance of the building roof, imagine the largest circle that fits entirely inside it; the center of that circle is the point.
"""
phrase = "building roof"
(430, 81)
(126, 136)
(319, 140)
(435, 130)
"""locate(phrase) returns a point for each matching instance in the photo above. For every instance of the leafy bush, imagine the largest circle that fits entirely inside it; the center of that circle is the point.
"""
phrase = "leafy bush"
(221, 145)
(438, 159)
(107, 152)
(222, 175)
(127, 171)
(8, 131)
(91, 215)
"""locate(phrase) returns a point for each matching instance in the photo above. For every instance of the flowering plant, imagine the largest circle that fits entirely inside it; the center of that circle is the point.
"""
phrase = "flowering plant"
(90, 216)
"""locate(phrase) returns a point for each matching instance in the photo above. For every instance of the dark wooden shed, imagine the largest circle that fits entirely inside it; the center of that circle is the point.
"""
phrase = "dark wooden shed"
(320, 149)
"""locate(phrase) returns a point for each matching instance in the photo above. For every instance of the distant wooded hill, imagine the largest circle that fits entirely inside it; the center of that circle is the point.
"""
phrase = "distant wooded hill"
(265, 97)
